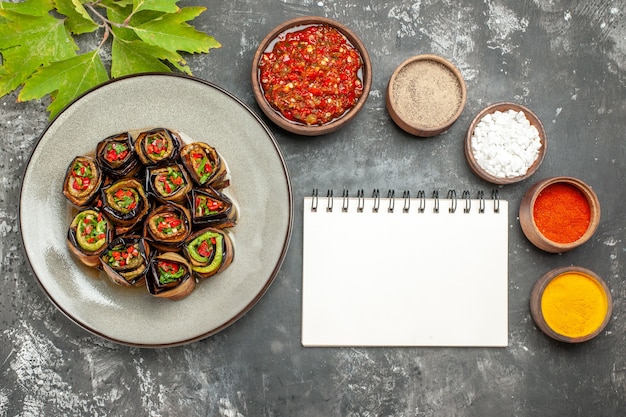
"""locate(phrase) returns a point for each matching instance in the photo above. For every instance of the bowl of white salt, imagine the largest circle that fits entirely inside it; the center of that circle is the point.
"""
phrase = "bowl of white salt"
(505, 143)
(426, 94)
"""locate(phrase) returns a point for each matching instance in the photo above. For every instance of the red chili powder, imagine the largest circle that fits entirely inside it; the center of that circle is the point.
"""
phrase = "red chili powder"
(562, 213)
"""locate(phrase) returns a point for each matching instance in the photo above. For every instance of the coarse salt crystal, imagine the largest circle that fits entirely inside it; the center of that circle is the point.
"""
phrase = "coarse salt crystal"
(505, 144)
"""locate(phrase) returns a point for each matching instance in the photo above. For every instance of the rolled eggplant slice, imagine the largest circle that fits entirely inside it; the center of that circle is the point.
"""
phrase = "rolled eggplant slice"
(83, 180)
(158, 146)
(170, 183)
(125, 261)
(89, 235)
(170, 276)
(209, 251)
(117, 156)
(212, 208)
(125, 202)
(205, 165)
(167, 227)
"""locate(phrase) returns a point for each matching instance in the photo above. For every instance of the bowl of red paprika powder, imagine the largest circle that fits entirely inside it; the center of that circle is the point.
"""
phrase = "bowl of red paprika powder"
(311, 75)
(559, 214)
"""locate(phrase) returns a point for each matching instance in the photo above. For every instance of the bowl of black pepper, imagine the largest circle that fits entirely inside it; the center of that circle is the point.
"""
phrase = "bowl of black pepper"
(311, 75)
(426, 94)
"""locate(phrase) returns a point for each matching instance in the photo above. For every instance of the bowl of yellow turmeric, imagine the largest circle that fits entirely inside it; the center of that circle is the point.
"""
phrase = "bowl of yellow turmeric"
(571, 304)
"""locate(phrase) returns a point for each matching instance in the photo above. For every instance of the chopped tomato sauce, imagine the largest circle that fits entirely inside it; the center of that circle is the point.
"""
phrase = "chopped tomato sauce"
(311, 76)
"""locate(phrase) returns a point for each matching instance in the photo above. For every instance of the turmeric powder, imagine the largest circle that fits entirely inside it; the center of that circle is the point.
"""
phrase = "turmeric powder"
(574, 304)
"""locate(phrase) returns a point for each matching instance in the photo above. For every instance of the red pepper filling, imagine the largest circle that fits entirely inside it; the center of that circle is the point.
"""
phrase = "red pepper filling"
(81, 176)
(168, 223)
(91, 232)
(171, 181)
(169, 272)
(201, 165)
(206, 206)
(115, 152)
(121, 255)
(168, 267)
(157, 145)
(312, 75)
(125, 198)
(205, 249)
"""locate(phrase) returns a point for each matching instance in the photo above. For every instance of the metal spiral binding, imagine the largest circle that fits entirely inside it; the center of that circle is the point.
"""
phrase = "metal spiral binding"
(468, 201)
(495, 196)
(361, 201)
(376, 197)
(314, 200)
(406, 195)
(329, 202)
(436, 198)
(481, 202)
(452, 197)
(422, 197)
(391, 196)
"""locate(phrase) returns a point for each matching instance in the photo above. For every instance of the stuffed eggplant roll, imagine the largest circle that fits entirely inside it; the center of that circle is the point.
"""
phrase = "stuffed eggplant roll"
(169, 183)
(88, 236)
(167, 227)
(204, 165)
(158, 146)
(211, 208)
(83, 179)
(170, 276)
(125, 202)
(125, 261)
(209, 251)
(117, 156)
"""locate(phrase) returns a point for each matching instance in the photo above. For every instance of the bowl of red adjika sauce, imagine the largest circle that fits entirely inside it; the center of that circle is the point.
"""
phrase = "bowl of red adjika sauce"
(505, 143)
(559, 214)
(311, 75)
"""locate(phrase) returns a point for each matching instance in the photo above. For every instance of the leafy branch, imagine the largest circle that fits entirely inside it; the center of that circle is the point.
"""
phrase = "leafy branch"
(40, 54)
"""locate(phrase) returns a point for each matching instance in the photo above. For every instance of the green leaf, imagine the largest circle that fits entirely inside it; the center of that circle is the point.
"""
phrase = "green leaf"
(29, 7)
(172, 33)
(78, 20)
(166, 6)
(65, 80)
(28, 42)
(117, 14)
(38, 52)
(121, 3)
(130, 57)
(118, 4)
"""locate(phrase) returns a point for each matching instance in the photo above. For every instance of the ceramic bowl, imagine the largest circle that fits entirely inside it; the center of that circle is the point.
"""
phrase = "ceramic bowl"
(527, 218)
(503, 107)
(426, 94)
(301, 128)
(570, 308)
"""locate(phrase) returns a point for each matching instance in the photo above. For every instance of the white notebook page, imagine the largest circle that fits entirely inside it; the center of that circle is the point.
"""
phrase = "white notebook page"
(405, 278)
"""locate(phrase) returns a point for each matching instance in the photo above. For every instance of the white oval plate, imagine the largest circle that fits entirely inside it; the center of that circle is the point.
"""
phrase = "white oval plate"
(259, 183)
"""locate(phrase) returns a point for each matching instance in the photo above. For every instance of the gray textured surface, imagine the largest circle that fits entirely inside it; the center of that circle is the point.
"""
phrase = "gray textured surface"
(565, 60)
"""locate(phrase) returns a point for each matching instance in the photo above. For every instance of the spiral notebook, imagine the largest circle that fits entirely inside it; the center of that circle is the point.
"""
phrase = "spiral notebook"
(403, 270)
